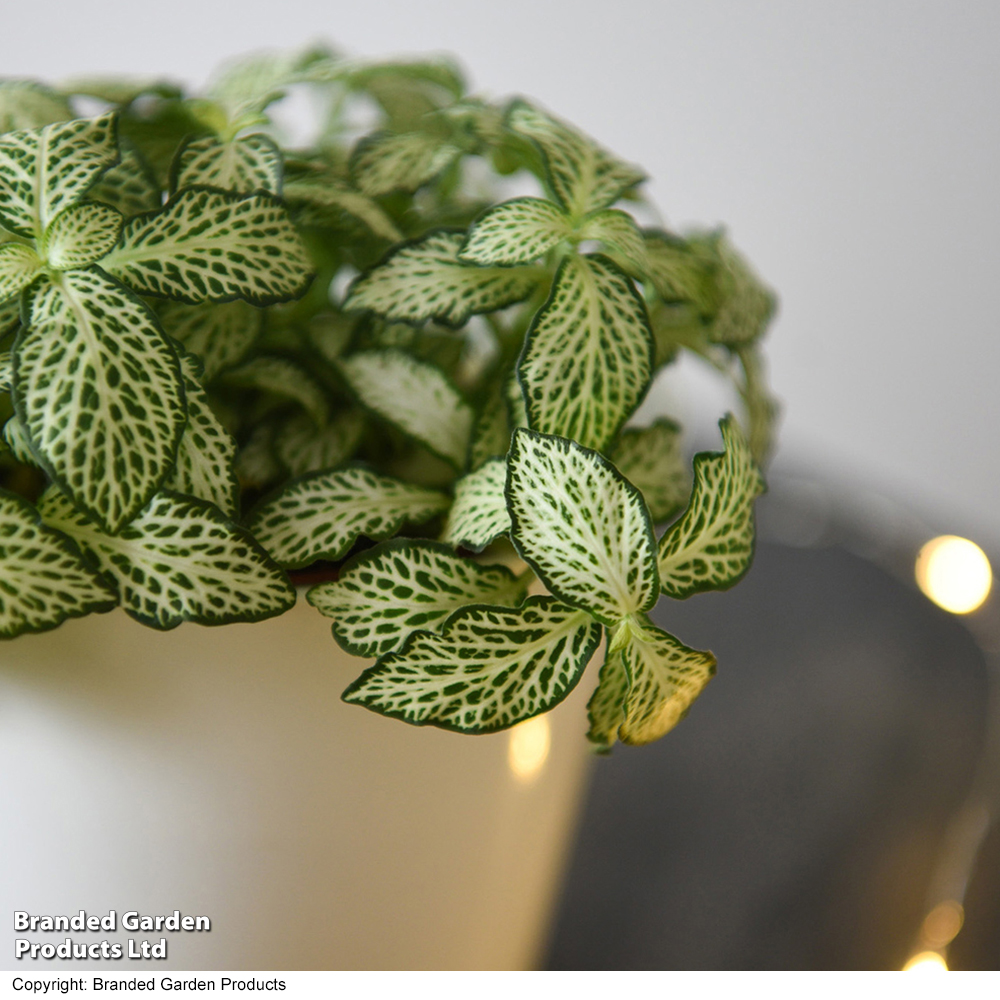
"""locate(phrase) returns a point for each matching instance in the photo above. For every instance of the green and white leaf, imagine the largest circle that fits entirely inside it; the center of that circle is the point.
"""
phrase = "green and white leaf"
(333, 197)
(119, 89)
(211, 246)
(622, 239)
(746, 304)
(98, 388)
(10, 315)
(242, 166)
(711, 546)
(6, 371)
(322, 515)
(581, 526)
(206, 452)
(588, 356)
(18, 266)
(43, 578)
(415, 397)
(516, 232)
(45, 170)
(385, 593)
(665, 677)
(81, 234)
(426, 280)
(180, 560)
(220, 334)
(388, 162)
(651, 459)
(479, 514)
(303, 447)
(486, 670)
(491, 429)
(17, 441)
(25, 104)
(606, 708)
(277, 375)
(128, 186)
(682, 270)
(582, 175)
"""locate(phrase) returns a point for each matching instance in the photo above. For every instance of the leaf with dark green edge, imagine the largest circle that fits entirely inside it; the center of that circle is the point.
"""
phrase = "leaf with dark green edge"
(205, 454)
(516, 408)
(81, 234)
(43, 171)
(19, 264)
(762, 408)
(650, 458)
(303, 447)
(665, 677)
(385, 593)
(6, 371)
(25, 104)
(581, 526)
(322, 515)
(682, 270)
(331, 197)
(128, 186)
(582, 175)
(244, 165)
(487, 669)
(219, 334)
(413, 396)
(43, 578)
(588, 356)
(387, 162)
(606, 708)
(212, 246)
(10, 315)
(98, 388)
(479, 514)
(746, 305)
(516, 232)
(17, 441)
(282, 377)
(621, 237)
(711, 546)
(424, 279)
(491, 429)
(180, 560)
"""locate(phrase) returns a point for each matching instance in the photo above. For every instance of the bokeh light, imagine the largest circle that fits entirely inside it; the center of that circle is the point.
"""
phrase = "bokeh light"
(954, 573)
(926, 961)
(529, 747)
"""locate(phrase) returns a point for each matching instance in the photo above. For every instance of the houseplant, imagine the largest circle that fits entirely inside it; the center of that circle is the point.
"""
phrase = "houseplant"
(229, 367)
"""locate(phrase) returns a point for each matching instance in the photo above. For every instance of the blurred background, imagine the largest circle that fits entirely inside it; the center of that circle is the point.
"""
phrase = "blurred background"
(852, 150)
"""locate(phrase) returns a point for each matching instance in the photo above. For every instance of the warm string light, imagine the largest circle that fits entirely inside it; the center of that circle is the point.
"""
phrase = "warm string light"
(954, 573)
(528, 748)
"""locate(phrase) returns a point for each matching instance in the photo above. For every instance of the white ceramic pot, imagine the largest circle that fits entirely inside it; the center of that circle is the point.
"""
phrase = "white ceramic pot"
(215, 771)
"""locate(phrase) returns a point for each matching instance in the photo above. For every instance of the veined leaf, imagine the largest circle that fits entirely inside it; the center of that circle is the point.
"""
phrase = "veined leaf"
(303, 447)
(81, 234)
(415, 397)
(651, 459)
(746, 305)
(17, 441)
(18, 266)
(10, 315)
(98, 388)
(665, 677)
(479, 514)
(6, 371)
(45, 170)
(622, 240)
(388, 162)
(332, 195)
(606, 708)
(25, 104)
(682, 270)
(211, 246)
(43, 578)
(129, 186)
(582, 175)
(385, 593)
(761, 407)
(180, 560)
(219, 334)
(711, 546)
(242, 166)
(322, 515)
(516, 232)
(426, 280)
(204, 466)
(487, 669)
(282, 377)
(581, 526)
(120, 90)
(491, 429)
(588, 356)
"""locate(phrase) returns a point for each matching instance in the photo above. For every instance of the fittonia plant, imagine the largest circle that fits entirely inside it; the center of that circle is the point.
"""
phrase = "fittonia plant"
(222, 360)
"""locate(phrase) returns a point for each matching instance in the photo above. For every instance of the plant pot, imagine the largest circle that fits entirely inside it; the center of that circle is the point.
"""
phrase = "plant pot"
(215, 771)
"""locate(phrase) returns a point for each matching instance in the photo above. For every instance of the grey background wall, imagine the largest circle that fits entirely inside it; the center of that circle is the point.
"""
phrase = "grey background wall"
(852, 148)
